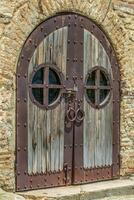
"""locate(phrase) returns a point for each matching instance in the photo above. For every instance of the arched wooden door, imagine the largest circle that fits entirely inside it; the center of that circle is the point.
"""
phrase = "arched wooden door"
(67, 105)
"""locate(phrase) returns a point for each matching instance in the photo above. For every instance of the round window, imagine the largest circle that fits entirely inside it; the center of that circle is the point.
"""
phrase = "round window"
(98, 87)
(46, 85)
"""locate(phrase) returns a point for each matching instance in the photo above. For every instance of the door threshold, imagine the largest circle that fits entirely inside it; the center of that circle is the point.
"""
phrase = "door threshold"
(86, 191)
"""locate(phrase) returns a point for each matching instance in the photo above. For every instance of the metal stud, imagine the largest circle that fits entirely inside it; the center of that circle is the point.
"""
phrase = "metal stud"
(22, 56)
(18, 148)
(55, 20)
(25, 125)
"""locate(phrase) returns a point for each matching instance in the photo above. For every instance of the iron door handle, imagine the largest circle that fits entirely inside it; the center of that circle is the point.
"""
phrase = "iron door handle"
(69, 117)
(80, 113)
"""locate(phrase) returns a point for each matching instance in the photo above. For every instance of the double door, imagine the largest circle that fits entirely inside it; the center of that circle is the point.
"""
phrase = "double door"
(68, 105)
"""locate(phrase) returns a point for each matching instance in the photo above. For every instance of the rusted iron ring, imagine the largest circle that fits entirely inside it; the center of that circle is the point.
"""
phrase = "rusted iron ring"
(69, 117)
(81, 113)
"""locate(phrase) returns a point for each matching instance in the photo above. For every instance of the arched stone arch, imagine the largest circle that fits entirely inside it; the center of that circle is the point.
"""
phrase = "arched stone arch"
(24, 18)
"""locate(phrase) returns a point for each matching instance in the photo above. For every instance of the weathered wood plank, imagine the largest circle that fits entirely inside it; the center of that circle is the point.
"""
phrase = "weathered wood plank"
(97, 123)
(46, 127)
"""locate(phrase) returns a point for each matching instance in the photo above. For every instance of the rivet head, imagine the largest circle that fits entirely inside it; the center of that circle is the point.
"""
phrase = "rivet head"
(18, 148)
(25, 125)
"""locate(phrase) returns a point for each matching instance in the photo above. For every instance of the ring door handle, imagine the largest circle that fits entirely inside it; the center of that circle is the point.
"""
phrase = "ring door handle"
(80, 114)
(69, 117)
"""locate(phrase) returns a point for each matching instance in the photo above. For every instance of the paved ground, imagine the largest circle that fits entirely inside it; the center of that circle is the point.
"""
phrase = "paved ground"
(125, 197)
(106, 190)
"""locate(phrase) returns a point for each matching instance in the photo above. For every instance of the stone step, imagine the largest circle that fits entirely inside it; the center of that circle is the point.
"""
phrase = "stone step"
(106, 190)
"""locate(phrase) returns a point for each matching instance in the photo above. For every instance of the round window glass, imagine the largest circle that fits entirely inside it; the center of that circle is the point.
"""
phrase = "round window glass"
(45, 86)
(98, 86)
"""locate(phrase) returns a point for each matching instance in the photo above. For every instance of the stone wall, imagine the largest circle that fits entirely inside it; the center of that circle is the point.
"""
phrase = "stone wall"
(18, 18)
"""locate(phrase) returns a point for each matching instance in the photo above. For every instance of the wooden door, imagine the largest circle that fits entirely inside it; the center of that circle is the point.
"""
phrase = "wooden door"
(67, 105)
